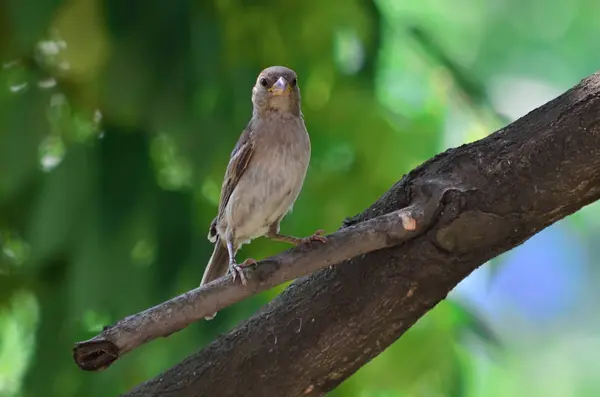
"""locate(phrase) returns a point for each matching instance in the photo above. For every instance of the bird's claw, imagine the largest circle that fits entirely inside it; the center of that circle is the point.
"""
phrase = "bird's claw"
(238, 270)
(315, 237)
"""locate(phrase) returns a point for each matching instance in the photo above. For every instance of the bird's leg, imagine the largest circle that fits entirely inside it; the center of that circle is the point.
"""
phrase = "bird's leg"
(274, 234)
(235, 268)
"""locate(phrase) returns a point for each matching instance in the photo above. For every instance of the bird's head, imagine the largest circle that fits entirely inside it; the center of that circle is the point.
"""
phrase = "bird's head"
(276, 89)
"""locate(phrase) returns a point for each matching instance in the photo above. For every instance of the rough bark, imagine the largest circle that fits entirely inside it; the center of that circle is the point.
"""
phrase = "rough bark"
(499, 191)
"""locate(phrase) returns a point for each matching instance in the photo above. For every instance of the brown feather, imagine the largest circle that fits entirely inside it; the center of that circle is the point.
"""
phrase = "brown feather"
(217, 266)
(238, 163)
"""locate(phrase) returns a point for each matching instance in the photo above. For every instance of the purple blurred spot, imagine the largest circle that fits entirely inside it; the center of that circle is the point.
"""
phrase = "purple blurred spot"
(539, 279)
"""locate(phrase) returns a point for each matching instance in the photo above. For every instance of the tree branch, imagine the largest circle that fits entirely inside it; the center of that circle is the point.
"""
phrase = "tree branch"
(497, 193)
(171, 316)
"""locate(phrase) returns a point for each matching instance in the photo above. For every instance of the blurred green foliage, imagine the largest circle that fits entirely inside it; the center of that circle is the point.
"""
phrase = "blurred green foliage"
(116, 123)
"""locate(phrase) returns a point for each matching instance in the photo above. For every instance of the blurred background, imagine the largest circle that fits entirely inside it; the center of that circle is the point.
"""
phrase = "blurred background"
(117, 119)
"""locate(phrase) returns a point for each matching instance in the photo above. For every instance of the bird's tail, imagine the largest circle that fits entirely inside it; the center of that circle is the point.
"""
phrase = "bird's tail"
(217, 266)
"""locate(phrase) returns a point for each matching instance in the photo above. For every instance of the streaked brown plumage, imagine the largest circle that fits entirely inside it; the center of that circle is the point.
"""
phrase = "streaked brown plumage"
(264, 176)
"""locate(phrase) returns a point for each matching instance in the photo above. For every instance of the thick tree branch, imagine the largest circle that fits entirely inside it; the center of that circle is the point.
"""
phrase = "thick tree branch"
(500, 191)
(171, 316)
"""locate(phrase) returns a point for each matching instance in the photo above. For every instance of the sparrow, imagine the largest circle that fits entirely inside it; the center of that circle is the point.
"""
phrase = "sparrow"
(264, 176)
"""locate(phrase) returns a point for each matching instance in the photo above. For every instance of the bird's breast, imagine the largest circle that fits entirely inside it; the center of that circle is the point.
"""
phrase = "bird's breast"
(270, 184)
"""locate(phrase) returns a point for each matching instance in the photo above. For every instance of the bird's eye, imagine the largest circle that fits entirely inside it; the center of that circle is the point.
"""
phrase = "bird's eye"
(294, 82)
(263, 82)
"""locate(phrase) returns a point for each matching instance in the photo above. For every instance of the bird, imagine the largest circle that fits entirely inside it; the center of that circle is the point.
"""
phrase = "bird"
(264, 176)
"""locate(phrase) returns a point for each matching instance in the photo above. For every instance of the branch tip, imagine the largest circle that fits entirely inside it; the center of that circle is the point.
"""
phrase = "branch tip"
(95, 355)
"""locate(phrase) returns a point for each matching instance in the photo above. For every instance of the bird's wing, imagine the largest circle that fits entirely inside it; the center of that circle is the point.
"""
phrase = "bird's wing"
(238, 163)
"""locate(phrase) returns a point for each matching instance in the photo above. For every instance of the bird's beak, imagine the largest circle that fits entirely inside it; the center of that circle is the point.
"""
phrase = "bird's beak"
(280, 87)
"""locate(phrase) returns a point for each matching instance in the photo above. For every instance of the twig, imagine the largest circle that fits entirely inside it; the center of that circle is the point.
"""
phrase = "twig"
(173, 315)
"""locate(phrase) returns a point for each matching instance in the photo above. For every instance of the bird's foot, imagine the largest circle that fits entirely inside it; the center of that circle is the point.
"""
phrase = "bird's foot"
(249, 262)
(238, 270)
(315, 237)
(298, 240)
